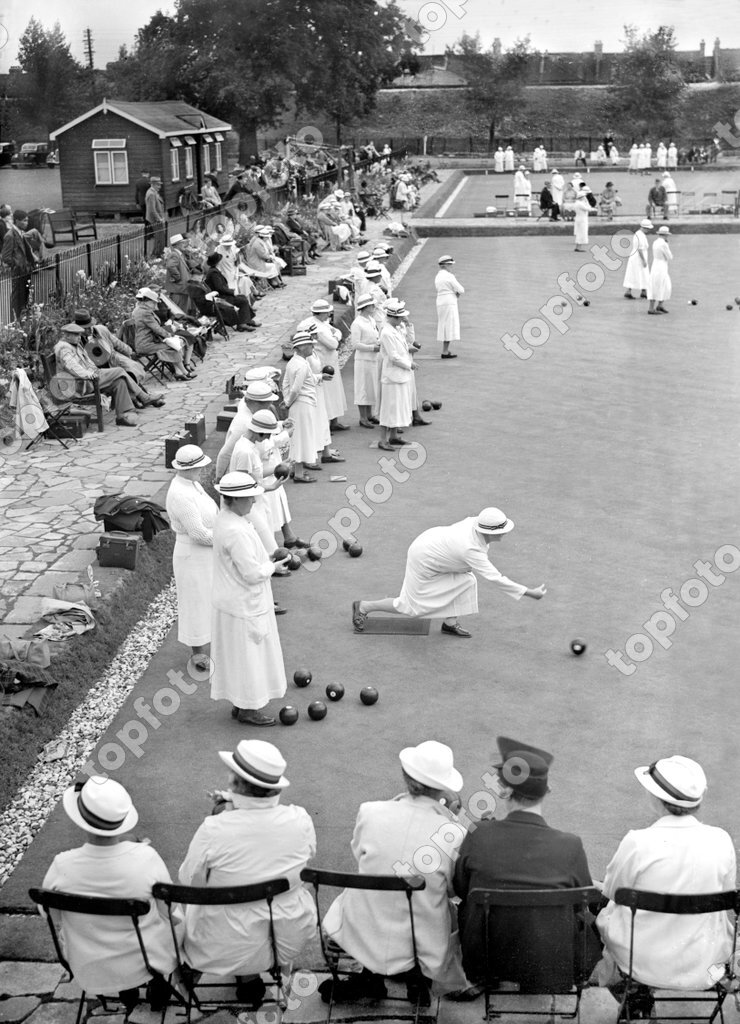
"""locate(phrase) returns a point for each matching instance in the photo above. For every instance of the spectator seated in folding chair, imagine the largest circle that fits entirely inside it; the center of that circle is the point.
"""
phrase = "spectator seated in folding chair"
(298, 226)
(158, 347)
(106, 349)
(677, 855)
(293, 248)
(216, 282)
(109, 956)
(75, 373)
(185, 326)
(249, 836)
(389, 933)
(522, 851)
(208, 304)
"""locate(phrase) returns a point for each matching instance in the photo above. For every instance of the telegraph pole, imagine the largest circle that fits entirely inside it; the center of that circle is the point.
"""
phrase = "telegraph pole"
(87, 42)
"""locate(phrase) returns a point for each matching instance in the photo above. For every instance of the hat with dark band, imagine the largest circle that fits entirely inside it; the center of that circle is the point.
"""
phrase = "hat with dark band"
(493, 520)
(365, 300)
(674, 780)
(101, 806)
(257, 762)
(443, 261)
(263, 422)
(190, 456)
(239, 485)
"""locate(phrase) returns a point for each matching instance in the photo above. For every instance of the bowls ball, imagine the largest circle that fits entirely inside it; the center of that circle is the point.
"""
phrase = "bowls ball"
(281, 471)
(316, 710)
(436, 405)
(693, 302)
(279, 554)
(294, 562)
(347, 544)
(369, 695)
(354, 550)
(288, 715)
(586, 302)
(314, 554)
(328, 371)
(426, 406)
(728, 306)
(737, 301)
(335, 691)
(302, 677)
(578, 646)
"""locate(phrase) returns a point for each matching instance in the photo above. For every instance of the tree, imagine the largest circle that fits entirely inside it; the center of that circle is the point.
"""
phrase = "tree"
(349, 51)
(496, 81)
(650, 88)
(50, 91)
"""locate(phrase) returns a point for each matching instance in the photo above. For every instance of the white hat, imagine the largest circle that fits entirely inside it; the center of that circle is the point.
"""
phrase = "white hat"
(363, 257)
(256, 373)
(339, 193)
(263, 422)
(365, 300)
(372, 269)
(322, 306)
(395, 307)
(147, 293)
(379, 253)
(675, 780)
(258, 762)
(177, 238)
(307, 326)
(664, 230)
(431, 763)
(239, 485)
(493, 520)
(102, 806)
(302, 338)
(226, 240)
(260, 391)
(265, 229)
(646, 223)
(444, 260)
(190, 456)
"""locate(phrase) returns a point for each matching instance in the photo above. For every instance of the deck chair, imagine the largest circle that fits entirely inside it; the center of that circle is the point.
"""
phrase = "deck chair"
(67, 390)
(43, 420)
(666, 903)
(62, 226)
(85, 226)
(333, 955)
(95, 906)
(223, 896)
(539, 939)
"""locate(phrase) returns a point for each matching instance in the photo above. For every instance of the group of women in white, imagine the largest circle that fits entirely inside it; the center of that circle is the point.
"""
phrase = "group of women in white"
(652, 280)
(504, 159)
(641, 157)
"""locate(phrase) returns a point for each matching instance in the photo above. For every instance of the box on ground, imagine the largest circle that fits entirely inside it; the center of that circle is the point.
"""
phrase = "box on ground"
(172, 443)
(197, 429)
(119, 549)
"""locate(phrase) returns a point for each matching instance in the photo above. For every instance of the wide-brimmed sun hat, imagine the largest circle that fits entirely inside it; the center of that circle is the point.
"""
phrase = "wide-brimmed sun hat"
(322, 306)
(255, 373)
(664, 230)
(372, 270)
(493, 520)
(674, 780)
(646, 223)
(263, 422)
(380, 254)
(260, 391)
(365, 300)
(239, 485)
(258, 762)
(432, 764)
(190, 456)
(102, 806)
(443, 261)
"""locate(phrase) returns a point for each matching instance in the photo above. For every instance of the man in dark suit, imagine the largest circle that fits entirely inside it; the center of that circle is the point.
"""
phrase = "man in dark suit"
(531, 946)
(18, 255)
(140, 190)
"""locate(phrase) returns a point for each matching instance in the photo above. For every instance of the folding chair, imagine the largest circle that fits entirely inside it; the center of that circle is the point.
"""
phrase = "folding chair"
(333, 955)
(509, 912)
(95, 906)
(53, 414)
(667, 903)
(687, 202)
(218, 896)
(730, 201)
(709, 203)
(67, 389)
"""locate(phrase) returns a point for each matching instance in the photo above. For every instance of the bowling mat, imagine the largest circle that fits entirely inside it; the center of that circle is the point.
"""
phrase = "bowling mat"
(397, 624)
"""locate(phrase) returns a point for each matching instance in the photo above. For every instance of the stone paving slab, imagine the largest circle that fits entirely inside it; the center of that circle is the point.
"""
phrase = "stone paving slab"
(17, 1008)
(24, 979)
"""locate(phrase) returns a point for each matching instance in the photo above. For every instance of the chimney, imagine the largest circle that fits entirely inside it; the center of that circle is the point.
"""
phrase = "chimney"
(717, 61)
(598, 50)
(702, 49)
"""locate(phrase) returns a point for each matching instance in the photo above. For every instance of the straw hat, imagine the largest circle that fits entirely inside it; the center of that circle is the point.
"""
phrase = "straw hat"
(258, 762)
(674, 780)
(102, 806)
(190, 456)
(431, 763)
(493, 521)
(239, 485)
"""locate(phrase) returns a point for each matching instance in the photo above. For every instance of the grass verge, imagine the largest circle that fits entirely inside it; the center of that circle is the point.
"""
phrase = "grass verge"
(82, 661)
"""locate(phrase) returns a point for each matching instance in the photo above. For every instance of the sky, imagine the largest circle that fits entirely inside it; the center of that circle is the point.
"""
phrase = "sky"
(552, 26)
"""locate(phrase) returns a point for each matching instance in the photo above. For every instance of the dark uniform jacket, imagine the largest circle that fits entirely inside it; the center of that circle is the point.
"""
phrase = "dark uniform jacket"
(532, 946)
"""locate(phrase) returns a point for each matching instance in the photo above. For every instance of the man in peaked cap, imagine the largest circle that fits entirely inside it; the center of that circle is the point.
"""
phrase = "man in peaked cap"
(531, 946)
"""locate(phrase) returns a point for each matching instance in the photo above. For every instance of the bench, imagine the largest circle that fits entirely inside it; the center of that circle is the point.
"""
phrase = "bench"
(66, 225)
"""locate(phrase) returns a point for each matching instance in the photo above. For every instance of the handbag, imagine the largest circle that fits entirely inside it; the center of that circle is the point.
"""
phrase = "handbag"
(31, 652)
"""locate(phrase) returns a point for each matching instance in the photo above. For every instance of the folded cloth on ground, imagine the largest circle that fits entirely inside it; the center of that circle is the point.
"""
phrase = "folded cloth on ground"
(65, 618)
(131, 514)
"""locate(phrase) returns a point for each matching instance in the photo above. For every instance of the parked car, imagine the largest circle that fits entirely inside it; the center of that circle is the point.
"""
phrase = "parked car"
(7, 149)
(31, 154)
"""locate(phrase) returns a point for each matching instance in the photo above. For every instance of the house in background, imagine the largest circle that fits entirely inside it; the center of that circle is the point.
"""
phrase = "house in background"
(103, 152)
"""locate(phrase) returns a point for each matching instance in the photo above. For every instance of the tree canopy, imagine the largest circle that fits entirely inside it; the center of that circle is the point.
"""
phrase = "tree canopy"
(650, 87)
(49, 90)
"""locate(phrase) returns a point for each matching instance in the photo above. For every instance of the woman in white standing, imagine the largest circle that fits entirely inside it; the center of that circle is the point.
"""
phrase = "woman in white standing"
(364, 336)
(327, 341)
(396, 408)
(659, 284)
(520, 190)
(637, 272)
(634, 163)
(192, 516)
(671, 193)
(509, 159)
(498, 161)
(449, 290)
(582, 208)
(247, 659)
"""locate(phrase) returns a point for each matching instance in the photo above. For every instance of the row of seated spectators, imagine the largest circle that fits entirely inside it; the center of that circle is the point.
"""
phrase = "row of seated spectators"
(250, 837)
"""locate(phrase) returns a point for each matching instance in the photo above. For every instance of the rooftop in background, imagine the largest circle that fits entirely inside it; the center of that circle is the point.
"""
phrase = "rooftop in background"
(166, 117)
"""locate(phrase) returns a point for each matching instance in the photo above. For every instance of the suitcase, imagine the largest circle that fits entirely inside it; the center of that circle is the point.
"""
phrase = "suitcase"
(223, 421)
(197, 430)
(73, 424)
(172, 443)
(118, 549)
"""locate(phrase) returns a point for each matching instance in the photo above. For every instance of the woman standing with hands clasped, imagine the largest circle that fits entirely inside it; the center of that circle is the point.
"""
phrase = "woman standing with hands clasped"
(364, 337)
(192, 516)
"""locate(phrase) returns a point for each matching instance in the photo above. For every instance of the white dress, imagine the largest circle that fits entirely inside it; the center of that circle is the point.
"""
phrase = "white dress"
(520, 191)
(580, 224)
(327, 348)
(509, 159)
(237, 428)
(299, 392)
(659, 283)
(246, 459)
(556, 186)
(248, 667)
(192, 516)
(364, 335)
(440, 579)
(637, 273)
(321, 414)
(671, 193)
(277, 500)
(396, 378)
(672, 161)
(634, 163)
(498, 161)
(661, 157)
(448, 318)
